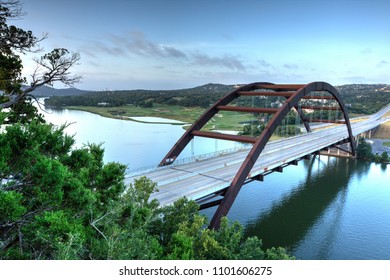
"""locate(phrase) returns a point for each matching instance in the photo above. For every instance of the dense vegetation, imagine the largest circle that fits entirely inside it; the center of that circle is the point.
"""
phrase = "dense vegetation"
(58, 202)
(199, 96)
(360, 99)
(63, 203)
(364, 151)
(365, 98)
(289, 128)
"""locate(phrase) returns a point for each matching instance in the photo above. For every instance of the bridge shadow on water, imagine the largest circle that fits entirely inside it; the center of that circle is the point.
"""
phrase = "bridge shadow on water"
(290, 219)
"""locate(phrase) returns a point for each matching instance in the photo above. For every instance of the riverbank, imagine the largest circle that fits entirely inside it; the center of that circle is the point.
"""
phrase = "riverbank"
(185, 115)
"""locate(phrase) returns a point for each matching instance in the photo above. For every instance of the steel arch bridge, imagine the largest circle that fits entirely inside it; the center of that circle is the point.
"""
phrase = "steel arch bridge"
(293, 94)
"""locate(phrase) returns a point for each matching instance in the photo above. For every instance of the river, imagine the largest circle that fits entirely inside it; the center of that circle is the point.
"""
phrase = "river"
(324, 208)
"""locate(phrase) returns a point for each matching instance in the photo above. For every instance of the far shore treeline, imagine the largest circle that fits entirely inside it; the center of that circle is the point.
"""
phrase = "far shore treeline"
(360, 99)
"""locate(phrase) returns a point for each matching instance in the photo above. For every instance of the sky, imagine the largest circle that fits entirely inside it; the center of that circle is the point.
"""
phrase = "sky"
(172, 44)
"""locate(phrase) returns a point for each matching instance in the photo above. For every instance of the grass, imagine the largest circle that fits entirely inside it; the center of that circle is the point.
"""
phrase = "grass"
(163, 111)
(387, 144)
(225, 120)
(228, 121)
(383, 131)
(221, 121)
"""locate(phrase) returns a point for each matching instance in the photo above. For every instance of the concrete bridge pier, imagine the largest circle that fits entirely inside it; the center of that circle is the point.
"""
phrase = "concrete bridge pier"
(367, 134)
(343, 150)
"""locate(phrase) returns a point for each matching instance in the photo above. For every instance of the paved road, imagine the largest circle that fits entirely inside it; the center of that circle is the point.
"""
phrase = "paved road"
(200, 178)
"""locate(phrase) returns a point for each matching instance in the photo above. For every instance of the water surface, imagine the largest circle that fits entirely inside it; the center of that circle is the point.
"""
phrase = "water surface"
(324, 208)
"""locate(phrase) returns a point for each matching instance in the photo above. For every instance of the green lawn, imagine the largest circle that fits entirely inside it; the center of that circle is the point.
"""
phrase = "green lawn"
(222, 121)
(387, 144)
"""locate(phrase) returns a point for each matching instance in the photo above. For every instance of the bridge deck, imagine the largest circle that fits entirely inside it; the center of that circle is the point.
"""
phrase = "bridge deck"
(198, 179)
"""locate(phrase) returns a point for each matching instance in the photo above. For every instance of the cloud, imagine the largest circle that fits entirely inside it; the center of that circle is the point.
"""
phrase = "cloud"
(227, 37)
(382, 63)
(173, 52)
(291, 66)
(264, 63)
(366, 51)
(227, 61)
(95, 49)
(137, 44)
(93, 63)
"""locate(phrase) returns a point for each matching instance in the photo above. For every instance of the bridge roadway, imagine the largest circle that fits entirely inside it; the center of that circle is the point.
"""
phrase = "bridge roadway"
(198, 179)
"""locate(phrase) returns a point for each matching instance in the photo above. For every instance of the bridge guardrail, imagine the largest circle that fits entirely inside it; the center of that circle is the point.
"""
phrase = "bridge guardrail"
(180, 161)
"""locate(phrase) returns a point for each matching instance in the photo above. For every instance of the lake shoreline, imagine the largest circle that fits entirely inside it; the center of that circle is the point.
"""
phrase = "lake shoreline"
(176, 115)
(185, 118)
(126, 118)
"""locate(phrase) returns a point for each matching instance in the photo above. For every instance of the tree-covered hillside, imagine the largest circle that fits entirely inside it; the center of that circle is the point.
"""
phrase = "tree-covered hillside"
(365, 98)
(200, 96)
(359, 98)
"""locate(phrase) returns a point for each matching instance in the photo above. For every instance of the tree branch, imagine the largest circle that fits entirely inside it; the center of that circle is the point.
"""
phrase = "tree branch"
(50, 68)
(13, 9)
(13, 37)
(92, 223)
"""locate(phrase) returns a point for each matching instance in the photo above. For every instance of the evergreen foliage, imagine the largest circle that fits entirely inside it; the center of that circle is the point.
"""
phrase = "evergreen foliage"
(364, 151)
(58, 202)
(287, 129)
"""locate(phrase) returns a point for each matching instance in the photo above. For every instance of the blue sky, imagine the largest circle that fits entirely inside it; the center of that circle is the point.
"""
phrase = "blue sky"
(169, 44)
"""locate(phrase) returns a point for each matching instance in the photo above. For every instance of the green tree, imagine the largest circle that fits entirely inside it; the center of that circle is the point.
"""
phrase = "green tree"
(49, 192)
(51, 67)
(58, 202)
(252, 130)
(385, 157)
(287, 130)
(364, 150)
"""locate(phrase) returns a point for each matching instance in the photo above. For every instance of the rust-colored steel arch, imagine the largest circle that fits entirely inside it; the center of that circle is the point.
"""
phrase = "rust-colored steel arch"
(220, 105)
(293, 94)
(202, 120)
(250, 160)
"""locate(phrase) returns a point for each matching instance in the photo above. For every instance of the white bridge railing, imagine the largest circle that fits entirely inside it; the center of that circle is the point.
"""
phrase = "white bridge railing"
(180, 161)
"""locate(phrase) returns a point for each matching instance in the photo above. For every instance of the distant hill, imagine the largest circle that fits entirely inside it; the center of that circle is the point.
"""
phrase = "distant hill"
(359, 98)
(198, 96)
(46, 91)
(365, 98)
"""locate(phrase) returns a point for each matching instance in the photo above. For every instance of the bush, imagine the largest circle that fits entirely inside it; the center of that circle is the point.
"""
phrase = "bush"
(63, 203)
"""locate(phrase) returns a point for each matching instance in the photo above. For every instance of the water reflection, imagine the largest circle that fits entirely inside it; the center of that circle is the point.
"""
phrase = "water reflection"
(325, 208)
(289, 221)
